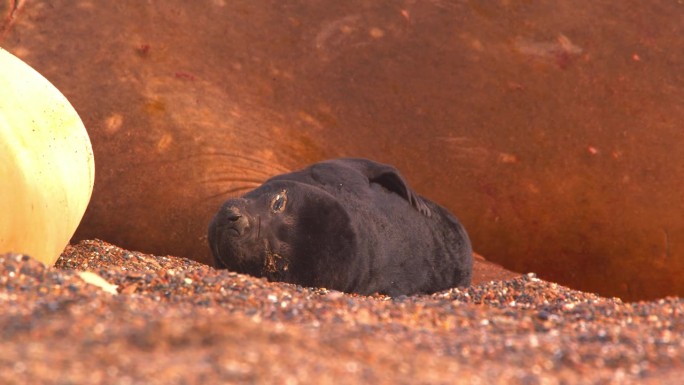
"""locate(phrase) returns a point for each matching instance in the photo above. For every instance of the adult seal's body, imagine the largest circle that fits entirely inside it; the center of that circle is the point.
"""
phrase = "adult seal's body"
(348, 224)
(554, 126)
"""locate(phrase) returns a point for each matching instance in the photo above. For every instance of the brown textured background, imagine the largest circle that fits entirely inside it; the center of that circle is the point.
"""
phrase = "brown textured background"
(550, 128)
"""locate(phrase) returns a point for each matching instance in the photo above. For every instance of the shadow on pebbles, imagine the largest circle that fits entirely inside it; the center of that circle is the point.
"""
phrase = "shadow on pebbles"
(143, 319)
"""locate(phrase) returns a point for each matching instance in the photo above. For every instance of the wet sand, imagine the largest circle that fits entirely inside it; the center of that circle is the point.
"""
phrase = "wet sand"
(171, 320)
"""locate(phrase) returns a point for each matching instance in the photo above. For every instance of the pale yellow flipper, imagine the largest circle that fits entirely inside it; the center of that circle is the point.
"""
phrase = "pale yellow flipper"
(47, 168)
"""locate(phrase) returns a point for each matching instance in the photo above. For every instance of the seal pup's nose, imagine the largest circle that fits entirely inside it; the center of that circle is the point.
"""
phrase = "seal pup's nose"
(233, 221)
(233, 214)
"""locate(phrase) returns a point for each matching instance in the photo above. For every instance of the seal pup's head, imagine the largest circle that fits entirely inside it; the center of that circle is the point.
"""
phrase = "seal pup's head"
(284, 231)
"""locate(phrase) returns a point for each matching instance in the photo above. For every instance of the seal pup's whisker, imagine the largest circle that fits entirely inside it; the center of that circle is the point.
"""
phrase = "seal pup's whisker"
(258, 226)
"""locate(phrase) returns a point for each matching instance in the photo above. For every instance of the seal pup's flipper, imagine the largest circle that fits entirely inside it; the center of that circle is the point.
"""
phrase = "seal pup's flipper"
(390, 178)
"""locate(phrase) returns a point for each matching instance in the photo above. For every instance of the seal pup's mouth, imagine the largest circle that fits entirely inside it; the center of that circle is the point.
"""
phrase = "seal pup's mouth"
(275, 266)
(274, 263)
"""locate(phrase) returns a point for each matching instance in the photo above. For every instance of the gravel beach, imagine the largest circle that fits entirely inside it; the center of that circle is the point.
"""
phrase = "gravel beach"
(170, 320)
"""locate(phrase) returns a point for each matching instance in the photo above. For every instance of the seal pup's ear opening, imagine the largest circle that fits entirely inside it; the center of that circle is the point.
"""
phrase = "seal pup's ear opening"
(391, 179)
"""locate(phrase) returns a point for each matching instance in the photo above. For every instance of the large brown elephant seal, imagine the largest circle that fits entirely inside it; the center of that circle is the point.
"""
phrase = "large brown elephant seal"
(551, 128)
(352, 225)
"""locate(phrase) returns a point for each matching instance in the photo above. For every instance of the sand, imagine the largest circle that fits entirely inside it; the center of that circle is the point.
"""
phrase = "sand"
(170, 320)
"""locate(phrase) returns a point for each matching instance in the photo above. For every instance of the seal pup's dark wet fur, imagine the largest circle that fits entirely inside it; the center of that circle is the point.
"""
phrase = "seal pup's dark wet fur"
(352, 225)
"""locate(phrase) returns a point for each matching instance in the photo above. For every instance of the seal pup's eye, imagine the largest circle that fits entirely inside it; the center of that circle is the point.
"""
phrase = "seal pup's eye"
(279, 201)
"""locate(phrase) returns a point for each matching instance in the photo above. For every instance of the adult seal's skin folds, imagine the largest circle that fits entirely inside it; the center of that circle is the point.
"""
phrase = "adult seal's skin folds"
(347, 224)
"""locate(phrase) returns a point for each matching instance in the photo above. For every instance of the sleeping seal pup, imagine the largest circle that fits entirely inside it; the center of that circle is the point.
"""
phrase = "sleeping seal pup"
(352, 225)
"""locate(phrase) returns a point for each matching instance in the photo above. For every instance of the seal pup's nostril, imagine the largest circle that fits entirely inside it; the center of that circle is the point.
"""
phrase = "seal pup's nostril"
(233, 214)
(234, 222)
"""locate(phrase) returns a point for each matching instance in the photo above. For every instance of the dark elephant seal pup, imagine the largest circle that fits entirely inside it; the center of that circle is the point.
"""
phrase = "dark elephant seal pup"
(352, 225)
